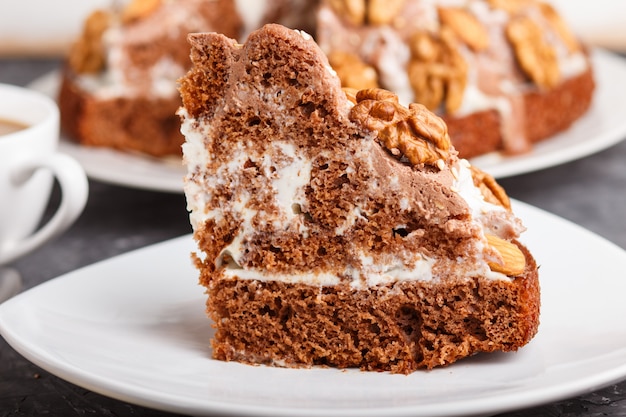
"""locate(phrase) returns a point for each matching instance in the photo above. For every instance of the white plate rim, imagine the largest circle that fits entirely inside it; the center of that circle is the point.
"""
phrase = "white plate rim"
(140, 171)
(203, 406)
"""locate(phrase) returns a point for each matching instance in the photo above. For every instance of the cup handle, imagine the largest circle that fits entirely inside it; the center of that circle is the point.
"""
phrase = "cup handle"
(74, 191)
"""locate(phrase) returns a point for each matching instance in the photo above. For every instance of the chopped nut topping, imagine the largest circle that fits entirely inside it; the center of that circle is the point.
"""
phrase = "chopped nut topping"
(414, 132)
(490, 189)
(536, 57)
(560, 27)
(510, 6)
(382, 12)
(138, 9)
(375, 12)
(437, 71)
(352, 71)
(465, 26)
(351, 10)
(87, 54)
(513, 260)
(513, 7)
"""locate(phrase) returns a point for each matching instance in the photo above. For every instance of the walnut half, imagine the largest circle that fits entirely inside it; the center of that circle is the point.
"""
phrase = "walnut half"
(414, 132)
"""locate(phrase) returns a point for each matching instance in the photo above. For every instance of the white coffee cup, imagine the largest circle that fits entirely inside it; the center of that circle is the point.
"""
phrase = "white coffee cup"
(29, 162)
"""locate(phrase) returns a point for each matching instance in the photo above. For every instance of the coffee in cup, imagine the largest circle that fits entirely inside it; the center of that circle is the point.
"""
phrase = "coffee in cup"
(10, 126)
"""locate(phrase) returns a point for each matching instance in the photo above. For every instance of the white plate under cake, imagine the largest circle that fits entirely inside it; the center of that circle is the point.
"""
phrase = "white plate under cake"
(133, 327)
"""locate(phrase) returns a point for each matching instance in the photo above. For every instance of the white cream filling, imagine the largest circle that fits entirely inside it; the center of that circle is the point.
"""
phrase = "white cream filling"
(491, 218)
(195, 157)
(290, 180)
(292, 174)
(392, 271)
(350, 221)
(370, 274)
(236, 248)
(319, 279)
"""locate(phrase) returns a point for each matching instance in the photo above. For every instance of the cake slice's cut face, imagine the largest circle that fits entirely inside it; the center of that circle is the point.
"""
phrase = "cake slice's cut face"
(296, 186)
(295, 180)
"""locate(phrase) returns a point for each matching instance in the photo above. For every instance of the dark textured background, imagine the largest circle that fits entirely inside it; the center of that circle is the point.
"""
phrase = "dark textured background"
(590, 192)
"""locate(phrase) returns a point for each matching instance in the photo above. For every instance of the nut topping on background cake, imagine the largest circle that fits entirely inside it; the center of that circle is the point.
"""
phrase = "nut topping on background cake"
(352, 10)
(87, 54)
(536, 57)
(353, 71)
(559, 25)
(382, 12)
(465, 26)
(502, 73)
(413, 132)
(375, 12)
(437, 71)
(510, 6)
(138, 9)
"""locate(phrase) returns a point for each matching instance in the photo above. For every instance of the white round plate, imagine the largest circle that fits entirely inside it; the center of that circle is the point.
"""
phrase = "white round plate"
(601, 127)
(133, 328)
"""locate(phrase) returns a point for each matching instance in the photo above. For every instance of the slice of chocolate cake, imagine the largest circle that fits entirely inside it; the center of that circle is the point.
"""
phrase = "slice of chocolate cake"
(340, 228)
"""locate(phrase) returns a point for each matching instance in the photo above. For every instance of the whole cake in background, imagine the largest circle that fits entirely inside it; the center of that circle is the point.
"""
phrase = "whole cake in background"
(339, 227)
(502, 73)
(119, 87)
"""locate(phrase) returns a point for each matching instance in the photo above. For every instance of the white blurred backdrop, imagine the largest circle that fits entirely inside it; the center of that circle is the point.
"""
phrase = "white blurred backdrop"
(47, 27)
